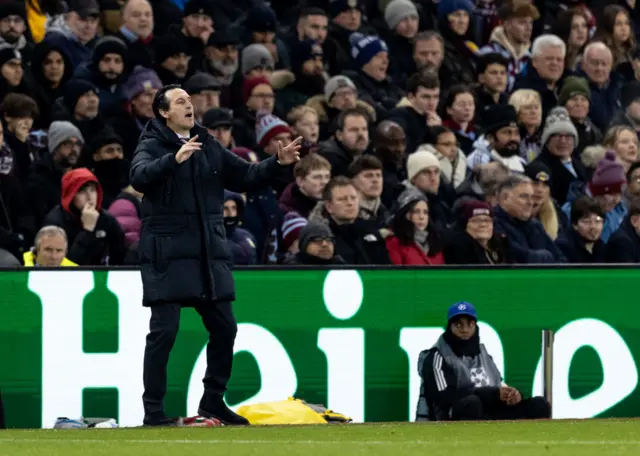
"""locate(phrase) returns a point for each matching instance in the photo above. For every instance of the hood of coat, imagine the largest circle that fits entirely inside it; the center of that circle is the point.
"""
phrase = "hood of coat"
(72, 182)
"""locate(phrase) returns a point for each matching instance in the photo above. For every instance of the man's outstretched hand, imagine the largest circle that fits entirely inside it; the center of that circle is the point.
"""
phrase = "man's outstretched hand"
(188, 149)
(290, 153)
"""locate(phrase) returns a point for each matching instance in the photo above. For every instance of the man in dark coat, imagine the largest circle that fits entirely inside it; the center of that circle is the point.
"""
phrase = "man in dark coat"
(624, 244)
(184, 259)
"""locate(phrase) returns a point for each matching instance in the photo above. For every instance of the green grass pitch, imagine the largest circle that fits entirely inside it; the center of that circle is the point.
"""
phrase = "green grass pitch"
(566, 438)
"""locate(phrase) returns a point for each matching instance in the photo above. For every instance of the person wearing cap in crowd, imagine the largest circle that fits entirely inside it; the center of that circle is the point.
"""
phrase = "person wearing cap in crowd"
(306, 78)
(630, 104)
(241, 243)
(173, 57)
(292, 223)
(575, 96)
(415, 241)
(258, 96)
(261, 26)
(582, 241)
(221, 60)
(371, 60)
(80, 105)
(340, 94)
(43, 186)
(77, 34)
(271, 133)
(472, 240)
(137, 32)
(624, 244)
(13, 27)
(545, 208)
(605, 186)
(108, 69)
(196, 27)
(316, 247)
(12, 78)
(458, 65)
(402, 20)
(205, 93)
(461, 382)
(219, 123)
(138, 92)
(501, 140)
(559, 140)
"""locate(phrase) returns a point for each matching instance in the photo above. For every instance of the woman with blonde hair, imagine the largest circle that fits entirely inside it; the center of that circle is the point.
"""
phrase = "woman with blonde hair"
(624, 141)
(528, 106)
(545, 209)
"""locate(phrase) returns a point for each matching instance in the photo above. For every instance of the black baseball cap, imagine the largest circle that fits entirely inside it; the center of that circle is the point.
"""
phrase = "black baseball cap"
(217, 117)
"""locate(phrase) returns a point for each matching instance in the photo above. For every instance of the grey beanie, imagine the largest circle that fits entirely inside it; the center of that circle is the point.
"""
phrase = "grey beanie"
(557, 122)
(61, 131)
(256, 56)
(313, 230)
(397, 11)
(335, 83)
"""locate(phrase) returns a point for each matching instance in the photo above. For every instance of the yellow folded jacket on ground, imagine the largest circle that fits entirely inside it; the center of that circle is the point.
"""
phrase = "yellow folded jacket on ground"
(291, 411)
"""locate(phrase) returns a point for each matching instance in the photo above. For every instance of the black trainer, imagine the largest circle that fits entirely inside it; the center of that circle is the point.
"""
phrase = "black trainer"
(216, 408)
(160, 419)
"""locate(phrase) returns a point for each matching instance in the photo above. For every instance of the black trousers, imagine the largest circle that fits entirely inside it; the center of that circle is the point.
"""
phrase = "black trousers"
(219, 321)
(471, 408)
(3, 423)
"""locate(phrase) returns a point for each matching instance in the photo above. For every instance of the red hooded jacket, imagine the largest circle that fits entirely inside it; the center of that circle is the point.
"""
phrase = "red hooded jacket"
(72, 182)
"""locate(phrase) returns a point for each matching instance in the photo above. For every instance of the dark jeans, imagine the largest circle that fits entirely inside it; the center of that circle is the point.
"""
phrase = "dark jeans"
(219, 321)
(471, 408)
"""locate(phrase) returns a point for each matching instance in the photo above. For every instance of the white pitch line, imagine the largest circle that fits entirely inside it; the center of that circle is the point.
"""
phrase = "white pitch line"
(331, 442)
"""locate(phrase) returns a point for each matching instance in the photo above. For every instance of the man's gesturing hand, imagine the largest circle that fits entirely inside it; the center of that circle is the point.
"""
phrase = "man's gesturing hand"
(290, 153)
(188, 149)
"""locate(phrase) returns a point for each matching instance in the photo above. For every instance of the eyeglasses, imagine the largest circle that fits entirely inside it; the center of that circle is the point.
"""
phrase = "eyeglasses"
(322, 239)
(591, 221)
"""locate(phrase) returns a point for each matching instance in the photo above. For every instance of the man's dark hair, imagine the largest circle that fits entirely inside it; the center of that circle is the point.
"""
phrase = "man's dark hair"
(634, 207)
(584, 206)
(311, 11)
(356, 112)
(427, 36)
(632, 168)
(336, 182)
(364, 163)
(428, 80)
(18, 105)
(161, 102)
(492, 58)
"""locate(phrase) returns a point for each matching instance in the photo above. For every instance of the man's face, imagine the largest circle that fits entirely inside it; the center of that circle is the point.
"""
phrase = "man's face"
(344, 98)
(518, 202)
(313, 28)
(12, 28)
(609, 201)
(177, 64)
(67, 153)
(223, 58)
(392, 145)
(427, 180)
(425, 100)
(507, 138)
(590, 227)
(597, 64)
(633, 186)
(196, 24)
(408, 27)
(142, 104)
(494, 78)
(85, 29)
(549, 64)
(111, 66)
(261, 99)
(86, 196)
(459, 22)
(369, 183)
(428, 54)
(577, 107)
(53, 67)
(377, 67)
(627, 146)
(519, 29)
(12, 71)
(230, 209)
(344, 204)
(263, 37)
(308, 127)
(313, 184)
(350, 19)
(87, 106)
(633, 110)
(272, 147)
(180, 115)
(355, 134)
(222, 134)
(109, 152)
(51, 251)
(463, 327)
(204, 101)
(138, 18)
(561, 145)
(313, 66)
(321, 247)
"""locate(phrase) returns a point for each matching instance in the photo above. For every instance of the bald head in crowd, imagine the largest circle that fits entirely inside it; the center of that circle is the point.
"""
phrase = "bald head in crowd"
(597, 62)
(137, 17)
(390, 142)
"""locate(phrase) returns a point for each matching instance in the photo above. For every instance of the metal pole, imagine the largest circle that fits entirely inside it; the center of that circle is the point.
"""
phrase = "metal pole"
(547, 362)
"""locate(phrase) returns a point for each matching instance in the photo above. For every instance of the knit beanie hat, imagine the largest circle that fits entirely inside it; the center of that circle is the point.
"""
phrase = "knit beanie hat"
(421, 160)
(107, 136)
(302, 51)
(557, 122)
(335, 83)
(140, 80)
(630, 92)
(573, 85)
(206, 7)
(250, 84)
(256, 56)
(291, 227)
(246, 154)
(364, 48)
(261, 18)
(399, 10)
(472, 208)
(498, 116)
(338, 6)
(313, 230)
(13, 8)
(446, 7)
(73, 90)
(406, 199)
(609, 177)
(166, 46)
(61, 131)
(268, 126)
(7, 53)
(108, 45)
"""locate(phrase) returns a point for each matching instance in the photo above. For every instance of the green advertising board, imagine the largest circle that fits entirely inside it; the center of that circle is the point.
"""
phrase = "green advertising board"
(72, 341)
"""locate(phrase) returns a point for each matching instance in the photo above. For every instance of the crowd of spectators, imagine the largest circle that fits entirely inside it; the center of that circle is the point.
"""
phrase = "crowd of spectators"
(435, 132)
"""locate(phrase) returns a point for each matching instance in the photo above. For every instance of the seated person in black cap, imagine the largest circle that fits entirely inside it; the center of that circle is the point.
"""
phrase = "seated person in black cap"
(316, 247)
(205, 93)
(221, 60)
(219, 124)
(545, 208)
(14, 18)
(501, 139)
(460, 381)
(173, 57)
